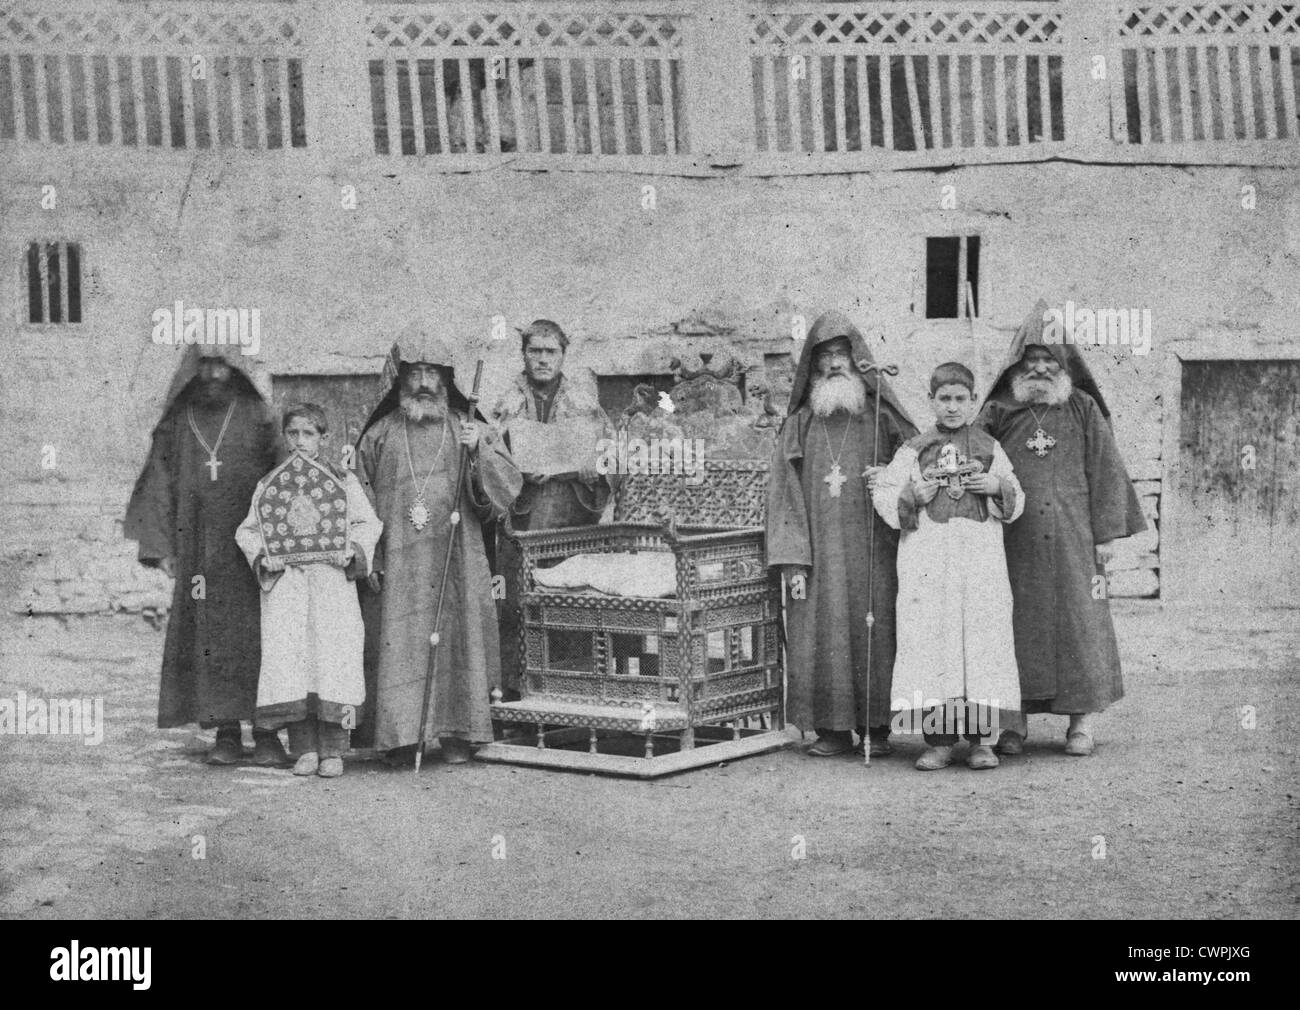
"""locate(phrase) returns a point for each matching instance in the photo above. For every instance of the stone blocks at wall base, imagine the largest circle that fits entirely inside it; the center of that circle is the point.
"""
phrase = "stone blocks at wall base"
(84, 566)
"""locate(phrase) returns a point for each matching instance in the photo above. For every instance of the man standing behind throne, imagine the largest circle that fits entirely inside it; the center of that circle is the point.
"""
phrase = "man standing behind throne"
(542, 394)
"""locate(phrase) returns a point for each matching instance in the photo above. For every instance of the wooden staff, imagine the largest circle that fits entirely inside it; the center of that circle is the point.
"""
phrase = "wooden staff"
(870, 366)
(431, 674)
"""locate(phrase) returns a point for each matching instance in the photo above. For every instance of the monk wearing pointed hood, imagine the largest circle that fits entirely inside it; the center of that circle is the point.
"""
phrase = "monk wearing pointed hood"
(819, 521)
(215, 440)
(407, 459)
(1047, 412)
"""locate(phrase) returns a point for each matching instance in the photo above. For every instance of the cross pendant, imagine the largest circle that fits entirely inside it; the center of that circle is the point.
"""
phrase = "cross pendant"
(835, 480)
(1041, 442)
(212, 465)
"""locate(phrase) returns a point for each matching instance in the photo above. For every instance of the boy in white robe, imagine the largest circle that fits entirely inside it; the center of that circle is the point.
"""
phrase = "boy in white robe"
(312, 679)
(949, 490)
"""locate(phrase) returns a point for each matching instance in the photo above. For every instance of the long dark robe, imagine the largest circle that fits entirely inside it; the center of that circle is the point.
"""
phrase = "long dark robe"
(212, 653)
(827, 633)
(1076, 496)
(411, 561)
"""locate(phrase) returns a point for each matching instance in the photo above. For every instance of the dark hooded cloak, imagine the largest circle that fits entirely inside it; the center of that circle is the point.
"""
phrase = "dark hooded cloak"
(1077, 495)
(212, 653)
(400, 621)
(808, 525)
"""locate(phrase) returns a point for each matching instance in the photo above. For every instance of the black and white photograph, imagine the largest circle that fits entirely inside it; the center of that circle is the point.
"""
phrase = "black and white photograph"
(631, 460)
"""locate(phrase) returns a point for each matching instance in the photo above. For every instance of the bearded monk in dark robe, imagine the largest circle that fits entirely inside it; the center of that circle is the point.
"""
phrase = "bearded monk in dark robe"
(215, 440)
(1049, 416)
(407, 460)
(819, 519)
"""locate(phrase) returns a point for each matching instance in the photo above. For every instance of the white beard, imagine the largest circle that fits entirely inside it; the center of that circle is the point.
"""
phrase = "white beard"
(422, 411)
(836, 393)
(1058, 392)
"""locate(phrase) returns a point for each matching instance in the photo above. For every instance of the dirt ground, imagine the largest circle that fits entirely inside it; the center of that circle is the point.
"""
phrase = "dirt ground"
(1197, 811)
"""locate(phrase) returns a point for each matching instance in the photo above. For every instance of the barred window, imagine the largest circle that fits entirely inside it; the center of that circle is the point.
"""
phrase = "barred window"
(952, 277)
(54, 282)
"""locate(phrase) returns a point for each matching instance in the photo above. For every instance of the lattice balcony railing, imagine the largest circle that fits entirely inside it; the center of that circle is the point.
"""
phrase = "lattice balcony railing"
(695, 84)
(163, 75)
(906, 77)
(550, 79)
(1204, 72)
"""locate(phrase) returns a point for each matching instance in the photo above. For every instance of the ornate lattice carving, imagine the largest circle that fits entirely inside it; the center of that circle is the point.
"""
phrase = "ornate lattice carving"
(167, 27)
(1209, 19)
(732, 495)
(398, 25)
(886, 24)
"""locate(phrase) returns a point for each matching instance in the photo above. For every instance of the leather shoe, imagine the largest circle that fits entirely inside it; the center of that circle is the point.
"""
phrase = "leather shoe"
(330, 768)
(831, 745)
(268, 752)
(226, 751)
(934, 758)
(307, 764)
(981, 756)
(1010, 743)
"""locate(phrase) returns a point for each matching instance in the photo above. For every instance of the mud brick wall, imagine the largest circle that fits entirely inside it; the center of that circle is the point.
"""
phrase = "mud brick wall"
(718, 264)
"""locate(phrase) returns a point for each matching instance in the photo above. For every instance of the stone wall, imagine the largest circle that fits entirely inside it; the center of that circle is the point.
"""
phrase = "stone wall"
(708, 264)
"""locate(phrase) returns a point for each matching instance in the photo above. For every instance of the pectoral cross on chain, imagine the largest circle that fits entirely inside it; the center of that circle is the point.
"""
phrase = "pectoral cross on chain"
(212, 465)
(835, 480)
(1041, 442)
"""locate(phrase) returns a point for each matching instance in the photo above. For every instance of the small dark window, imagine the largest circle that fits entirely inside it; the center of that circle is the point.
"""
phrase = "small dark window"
(952, 268)
(54, 282)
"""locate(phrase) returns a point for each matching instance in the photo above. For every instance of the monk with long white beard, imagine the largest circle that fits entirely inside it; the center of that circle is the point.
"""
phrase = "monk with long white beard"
(407, 460)
(819, 521)
(1048, 414)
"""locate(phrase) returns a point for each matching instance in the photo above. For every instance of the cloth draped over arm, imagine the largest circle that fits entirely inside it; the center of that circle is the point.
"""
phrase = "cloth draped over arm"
(788, 538)
(249, 538)
(1113, 502)
(892, 496)
(1009, 503)
(151, 514)
(364, 529)
(492, 480)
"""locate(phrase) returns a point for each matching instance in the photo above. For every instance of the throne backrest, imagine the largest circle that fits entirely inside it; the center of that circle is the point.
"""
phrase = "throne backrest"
(729, 494)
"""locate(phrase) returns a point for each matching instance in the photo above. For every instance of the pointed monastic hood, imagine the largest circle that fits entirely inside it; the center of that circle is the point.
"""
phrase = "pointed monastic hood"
(828, 327)
(188, 370)
(418, 342)
(1031, 334)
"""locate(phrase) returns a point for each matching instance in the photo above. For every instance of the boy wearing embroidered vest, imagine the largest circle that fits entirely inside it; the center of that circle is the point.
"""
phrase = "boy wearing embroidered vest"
(309, 532)
(949, 490)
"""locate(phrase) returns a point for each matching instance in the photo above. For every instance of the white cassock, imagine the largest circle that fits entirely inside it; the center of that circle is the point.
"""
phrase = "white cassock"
(954, 633)
(312, 635)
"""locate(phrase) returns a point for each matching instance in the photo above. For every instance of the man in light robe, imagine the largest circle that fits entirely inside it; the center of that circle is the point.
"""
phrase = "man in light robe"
(1049, 416)
(214, 442)
(819, 521)
(407, 460)
(544, 394)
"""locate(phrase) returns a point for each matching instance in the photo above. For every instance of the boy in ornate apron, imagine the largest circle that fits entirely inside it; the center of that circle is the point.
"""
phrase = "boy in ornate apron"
(309, 531)
(949, 490)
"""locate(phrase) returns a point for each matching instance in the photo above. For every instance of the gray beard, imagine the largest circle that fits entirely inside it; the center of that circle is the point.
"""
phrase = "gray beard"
(838, 393)
(421, 411)
(1058, 392)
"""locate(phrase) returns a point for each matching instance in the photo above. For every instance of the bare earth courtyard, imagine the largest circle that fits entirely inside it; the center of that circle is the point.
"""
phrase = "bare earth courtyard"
(1198, 812)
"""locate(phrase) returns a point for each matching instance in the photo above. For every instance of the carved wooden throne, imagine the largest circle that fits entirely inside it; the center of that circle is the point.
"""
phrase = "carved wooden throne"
(646, 679)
